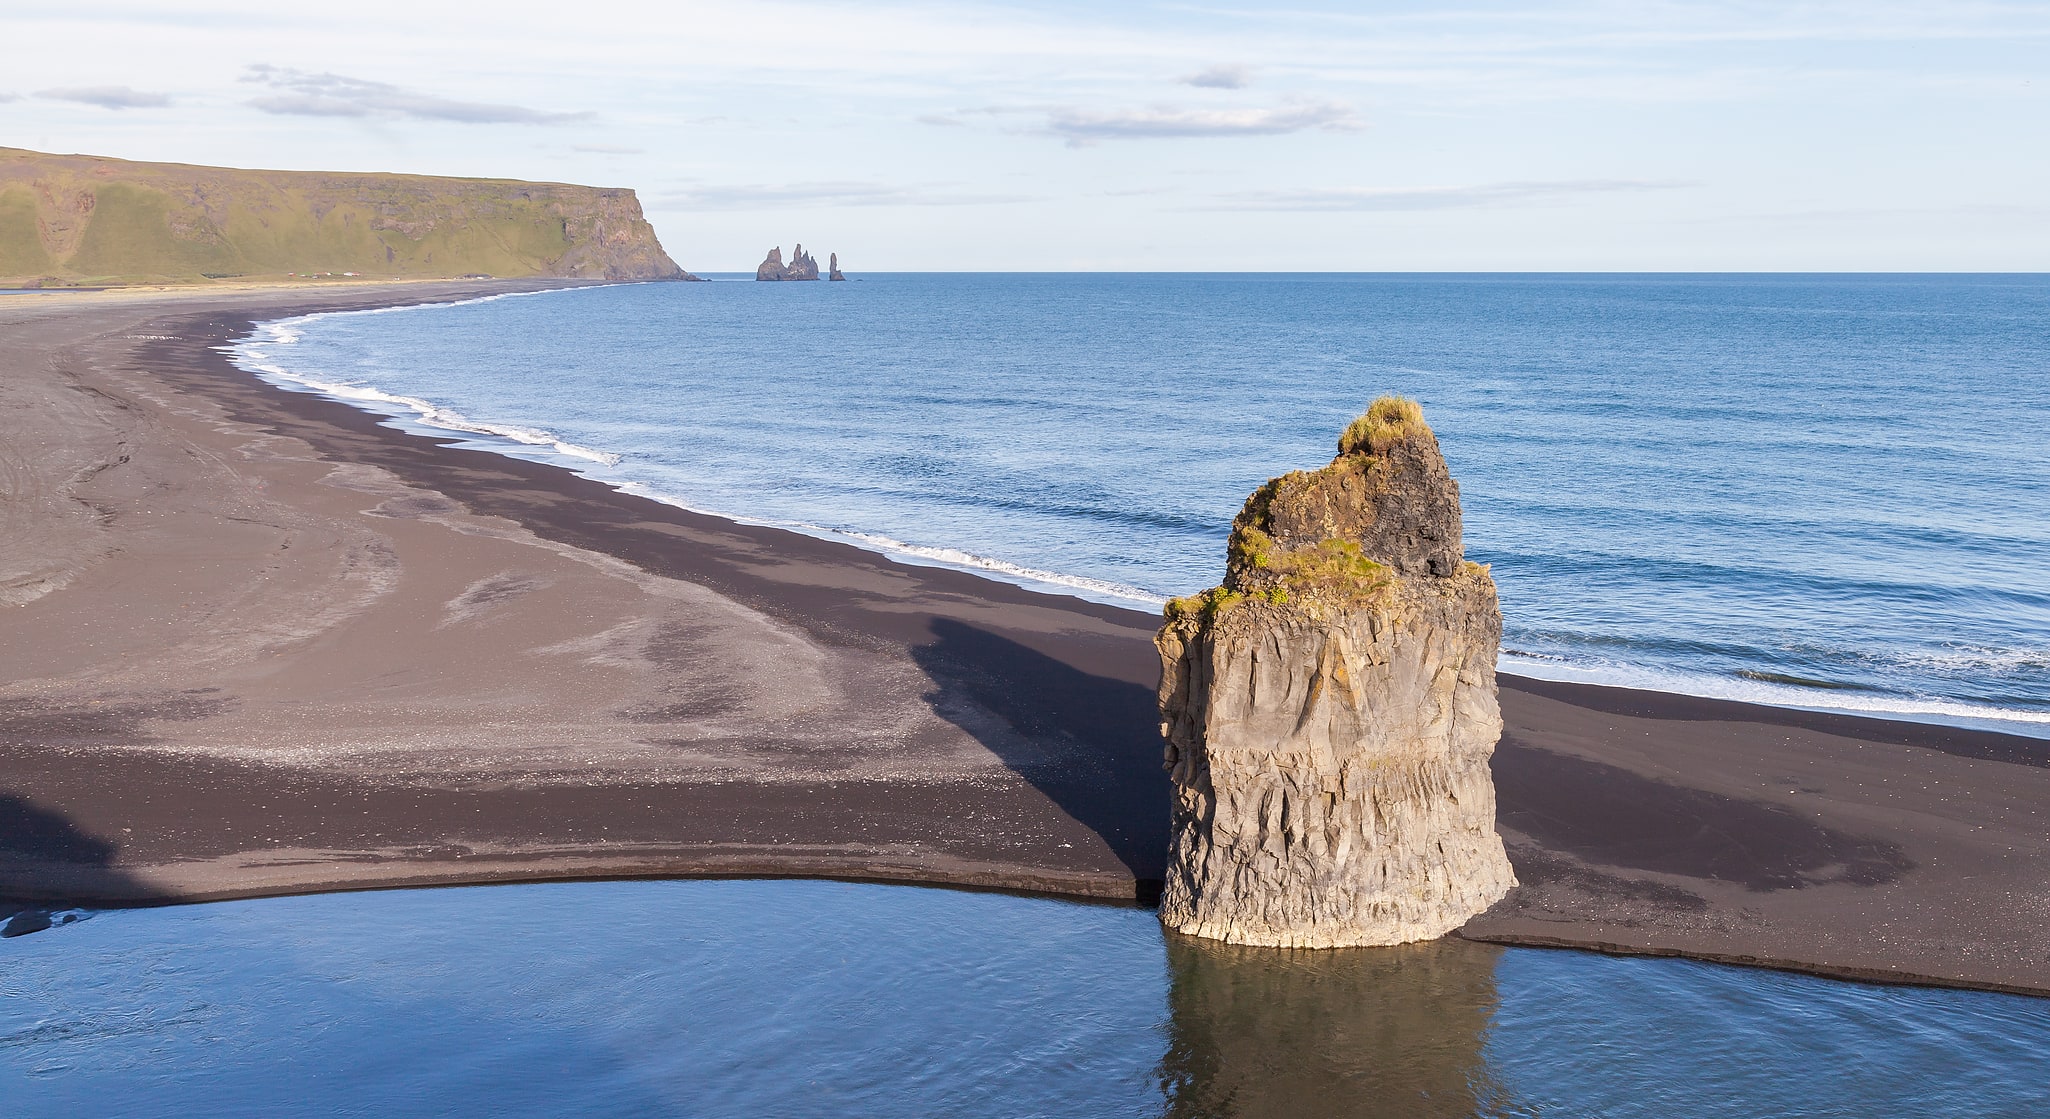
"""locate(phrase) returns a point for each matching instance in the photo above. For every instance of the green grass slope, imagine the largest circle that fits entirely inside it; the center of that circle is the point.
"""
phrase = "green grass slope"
(84, 220)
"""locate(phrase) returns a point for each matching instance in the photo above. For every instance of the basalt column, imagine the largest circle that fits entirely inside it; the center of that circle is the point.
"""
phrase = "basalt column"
(1330, 709)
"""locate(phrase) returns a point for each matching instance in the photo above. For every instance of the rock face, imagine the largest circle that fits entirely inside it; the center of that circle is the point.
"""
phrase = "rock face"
(1330, 710)
(71, 219)
(801, 266)
(833, 267)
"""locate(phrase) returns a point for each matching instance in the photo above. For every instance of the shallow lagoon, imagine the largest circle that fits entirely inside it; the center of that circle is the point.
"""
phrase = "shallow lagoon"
(821, 998)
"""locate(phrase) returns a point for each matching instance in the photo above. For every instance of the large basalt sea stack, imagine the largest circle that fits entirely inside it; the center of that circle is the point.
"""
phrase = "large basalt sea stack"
(1330, 709)
(801, 266)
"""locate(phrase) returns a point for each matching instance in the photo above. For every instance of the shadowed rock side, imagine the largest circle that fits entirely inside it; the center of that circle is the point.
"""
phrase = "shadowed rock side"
(802, 265)
(1330, 710)
(74, 219)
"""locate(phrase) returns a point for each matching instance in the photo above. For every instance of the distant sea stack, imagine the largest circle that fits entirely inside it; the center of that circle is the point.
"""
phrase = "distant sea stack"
(801, 267)
(833, 267)
(73, 219)
(1330, 710)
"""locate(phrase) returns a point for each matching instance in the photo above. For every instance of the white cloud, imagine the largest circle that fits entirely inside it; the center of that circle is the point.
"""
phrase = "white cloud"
(607, 149)
(1220, 77)
(762, 196)
(1339, 199)
(108, 96)
(336, 95)
(1083, 126)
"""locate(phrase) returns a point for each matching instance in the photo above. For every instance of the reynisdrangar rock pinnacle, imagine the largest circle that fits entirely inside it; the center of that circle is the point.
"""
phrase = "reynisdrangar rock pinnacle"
(1330, 709)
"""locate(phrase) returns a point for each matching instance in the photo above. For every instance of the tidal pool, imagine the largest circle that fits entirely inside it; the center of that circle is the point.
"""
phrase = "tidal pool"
(794, 998)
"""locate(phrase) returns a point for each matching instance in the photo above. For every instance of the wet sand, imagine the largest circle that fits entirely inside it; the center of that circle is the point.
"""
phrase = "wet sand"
(251, 642)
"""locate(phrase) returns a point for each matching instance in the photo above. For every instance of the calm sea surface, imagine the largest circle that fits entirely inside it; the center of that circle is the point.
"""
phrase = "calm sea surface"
(772, 999)
(1826, 491)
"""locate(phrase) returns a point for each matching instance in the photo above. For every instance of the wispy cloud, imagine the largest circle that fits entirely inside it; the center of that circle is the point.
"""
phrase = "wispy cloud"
(108, 96)
(1339, 199)
(6, 97)
(1220, 77)
(1085, 126)
(336, 95)
(781, 195)
(607, 149)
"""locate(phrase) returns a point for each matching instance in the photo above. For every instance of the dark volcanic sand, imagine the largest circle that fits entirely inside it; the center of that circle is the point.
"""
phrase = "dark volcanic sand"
(264, 645)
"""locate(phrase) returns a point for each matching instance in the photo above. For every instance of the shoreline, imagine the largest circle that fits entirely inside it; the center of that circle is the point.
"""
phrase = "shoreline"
(415, 416)
(961, 730)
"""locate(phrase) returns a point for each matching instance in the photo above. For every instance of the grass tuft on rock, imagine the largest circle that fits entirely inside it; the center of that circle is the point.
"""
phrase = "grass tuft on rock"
(1387, 421)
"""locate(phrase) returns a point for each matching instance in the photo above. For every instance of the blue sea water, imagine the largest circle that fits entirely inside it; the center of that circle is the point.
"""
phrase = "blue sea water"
(772, 999)
(1828, 491)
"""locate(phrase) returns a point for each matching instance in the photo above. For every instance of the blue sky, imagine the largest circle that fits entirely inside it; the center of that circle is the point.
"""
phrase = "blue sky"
(1663, 136)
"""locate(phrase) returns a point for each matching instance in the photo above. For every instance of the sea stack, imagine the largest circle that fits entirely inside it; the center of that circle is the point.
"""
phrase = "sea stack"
(801, 266)
(833, 267)
(1330, 709)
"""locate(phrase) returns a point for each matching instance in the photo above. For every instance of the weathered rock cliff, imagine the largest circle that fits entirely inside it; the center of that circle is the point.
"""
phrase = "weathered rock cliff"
(801, 266)
(84, 219)
(1330, 709)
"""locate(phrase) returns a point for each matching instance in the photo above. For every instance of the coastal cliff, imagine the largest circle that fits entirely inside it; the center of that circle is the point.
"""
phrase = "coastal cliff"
(73, 219)
(1330, 709)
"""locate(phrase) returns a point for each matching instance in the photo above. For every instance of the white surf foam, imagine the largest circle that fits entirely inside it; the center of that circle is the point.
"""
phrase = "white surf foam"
(1032, 578)
(1913, 708)
(256, 355)
(953, 557)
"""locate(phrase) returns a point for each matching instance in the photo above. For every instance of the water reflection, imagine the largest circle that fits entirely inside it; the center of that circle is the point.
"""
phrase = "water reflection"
(1363, 1032)
(736, 1000)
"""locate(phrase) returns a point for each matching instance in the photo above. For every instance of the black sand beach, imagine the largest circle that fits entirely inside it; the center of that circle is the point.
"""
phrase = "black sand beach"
(255, 643)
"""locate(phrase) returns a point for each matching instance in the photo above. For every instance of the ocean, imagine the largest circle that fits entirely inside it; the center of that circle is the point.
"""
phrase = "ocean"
(1817, 491)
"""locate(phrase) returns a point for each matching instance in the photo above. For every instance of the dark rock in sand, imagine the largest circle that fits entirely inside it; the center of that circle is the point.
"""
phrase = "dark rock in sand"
(25, 922)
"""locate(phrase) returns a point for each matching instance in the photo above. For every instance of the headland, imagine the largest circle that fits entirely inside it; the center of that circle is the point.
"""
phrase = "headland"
(78, 220)
(257, 642)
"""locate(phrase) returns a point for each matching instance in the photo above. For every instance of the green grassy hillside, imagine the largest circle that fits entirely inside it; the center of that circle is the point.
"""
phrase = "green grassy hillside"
(83, 220)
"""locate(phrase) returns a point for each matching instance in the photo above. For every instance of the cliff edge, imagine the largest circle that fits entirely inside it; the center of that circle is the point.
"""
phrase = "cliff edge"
(1330, 709)
(74, 219)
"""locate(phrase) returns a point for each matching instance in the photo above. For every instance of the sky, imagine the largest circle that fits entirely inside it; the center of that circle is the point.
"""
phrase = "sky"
(1634, 136)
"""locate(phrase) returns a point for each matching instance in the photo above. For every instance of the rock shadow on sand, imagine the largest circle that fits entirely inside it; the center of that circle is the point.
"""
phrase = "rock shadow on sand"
(49, 863)
(49, 860)
(1605, 816)
(1090, 743)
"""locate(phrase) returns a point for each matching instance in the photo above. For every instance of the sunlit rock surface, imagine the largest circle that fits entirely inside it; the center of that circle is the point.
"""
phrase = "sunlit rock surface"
(1330, 710)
